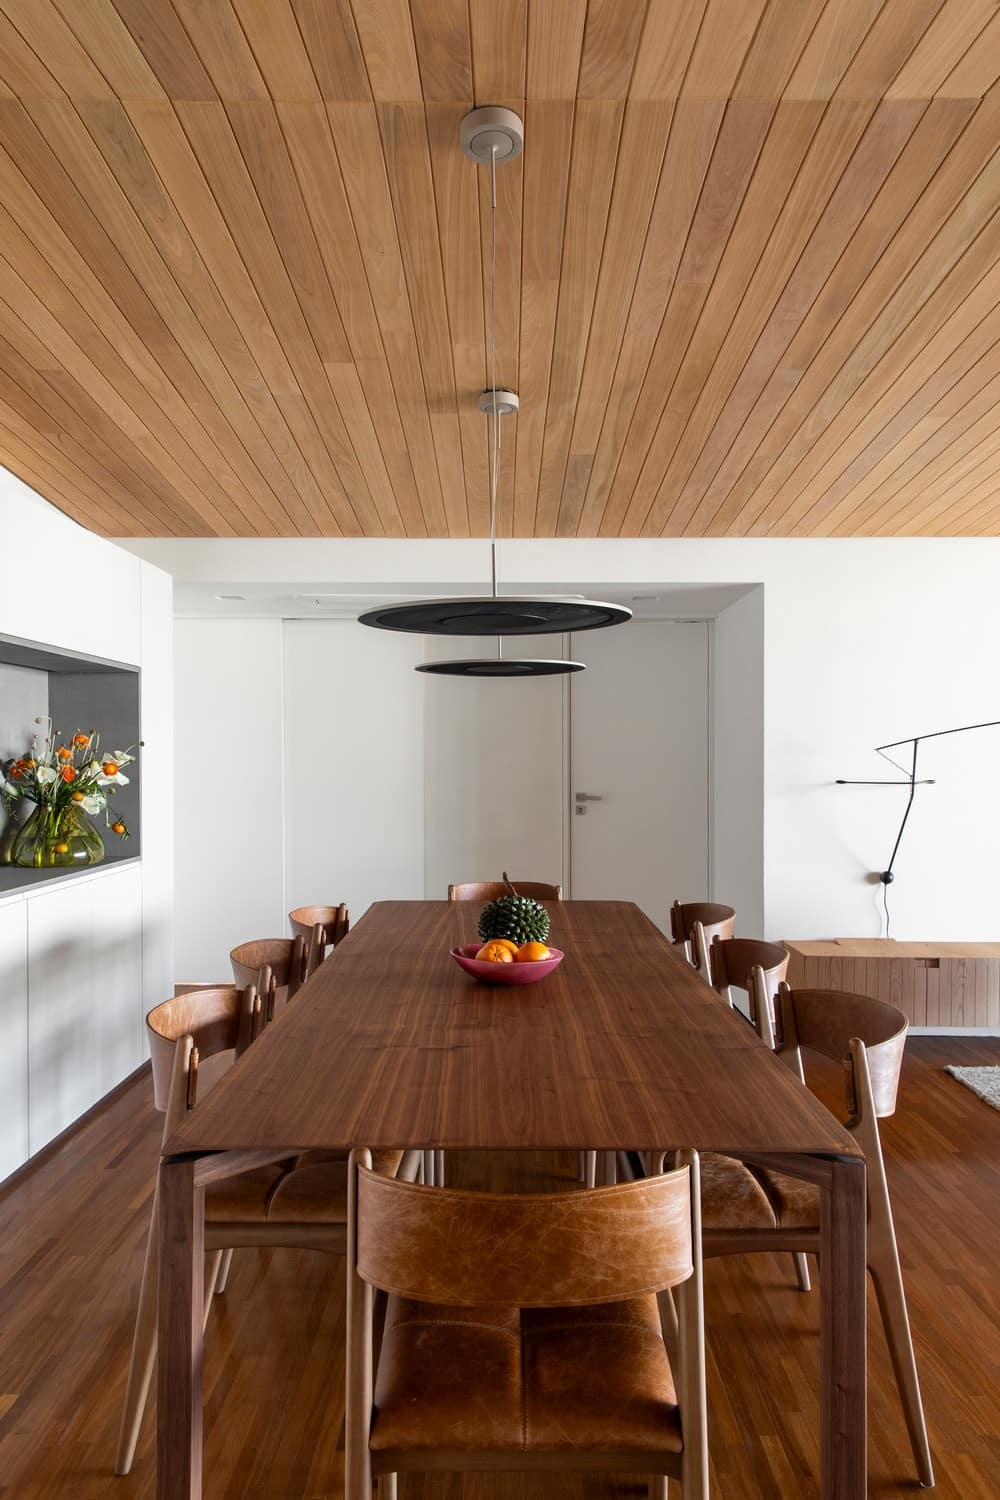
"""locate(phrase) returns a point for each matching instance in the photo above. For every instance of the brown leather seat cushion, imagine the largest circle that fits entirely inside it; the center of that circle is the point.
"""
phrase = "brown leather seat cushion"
(732, 1197)
(311, 1189)
(795, 1203)
(735, 1196)
(501, 1379)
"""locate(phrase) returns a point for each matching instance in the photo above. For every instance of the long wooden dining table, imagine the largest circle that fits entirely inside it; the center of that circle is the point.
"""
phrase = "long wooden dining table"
(622, 1048)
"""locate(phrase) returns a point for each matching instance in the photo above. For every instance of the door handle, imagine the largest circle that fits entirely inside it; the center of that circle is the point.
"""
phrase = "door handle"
(588, 797)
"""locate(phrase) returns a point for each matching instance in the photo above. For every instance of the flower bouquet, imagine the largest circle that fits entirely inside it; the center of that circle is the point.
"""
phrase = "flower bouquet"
(67, 783)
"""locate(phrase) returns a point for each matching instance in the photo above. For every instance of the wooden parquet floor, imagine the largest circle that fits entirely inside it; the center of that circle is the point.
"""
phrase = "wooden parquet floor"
(71, 1241)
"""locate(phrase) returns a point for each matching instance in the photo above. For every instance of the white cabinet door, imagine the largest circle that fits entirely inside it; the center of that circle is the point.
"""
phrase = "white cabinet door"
(13, 1036)
(63, 1039)
(117, 976)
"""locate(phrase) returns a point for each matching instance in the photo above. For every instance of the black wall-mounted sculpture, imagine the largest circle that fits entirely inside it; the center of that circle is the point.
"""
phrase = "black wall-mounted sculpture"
(886, 876)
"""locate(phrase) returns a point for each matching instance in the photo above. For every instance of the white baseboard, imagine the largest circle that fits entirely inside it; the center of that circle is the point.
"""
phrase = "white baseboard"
(954, 1031)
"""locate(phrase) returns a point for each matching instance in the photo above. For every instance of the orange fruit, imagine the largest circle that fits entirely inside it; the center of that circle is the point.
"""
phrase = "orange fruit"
(532, 953)
(507, 943)
(495, 952)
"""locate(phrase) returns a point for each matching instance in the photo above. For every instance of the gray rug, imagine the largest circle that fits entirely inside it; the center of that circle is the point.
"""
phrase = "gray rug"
(982, 1081)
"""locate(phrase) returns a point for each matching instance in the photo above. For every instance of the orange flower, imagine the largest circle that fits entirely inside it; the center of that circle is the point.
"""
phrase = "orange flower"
(81, 739)
(110, 768)
(29, 764)
(67, 773)
(15, 773)
(64, 753)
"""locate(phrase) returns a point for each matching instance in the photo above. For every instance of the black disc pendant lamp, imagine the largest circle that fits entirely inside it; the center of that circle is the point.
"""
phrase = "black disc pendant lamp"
(492, 135)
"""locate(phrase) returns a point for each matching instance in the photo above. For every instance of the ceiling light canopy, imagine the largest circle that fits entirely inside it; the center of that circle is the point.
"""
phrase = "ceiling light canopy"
(492, 135)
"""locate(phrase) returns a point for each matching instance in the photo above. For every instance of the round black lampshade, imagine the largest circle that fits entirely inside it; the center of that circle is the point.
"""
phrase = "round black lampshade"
(483, 615)
(498, 666)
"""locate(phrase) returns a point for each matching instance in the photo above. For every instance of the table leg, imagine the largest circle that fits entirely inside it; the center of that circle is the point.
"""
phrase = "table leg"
(180, 1317)
(843, 1336)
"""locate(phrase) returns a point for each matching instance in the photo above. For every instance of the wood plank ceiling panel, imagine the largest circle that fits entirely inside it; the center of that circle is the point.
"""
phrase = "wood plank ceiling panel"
(748, 275)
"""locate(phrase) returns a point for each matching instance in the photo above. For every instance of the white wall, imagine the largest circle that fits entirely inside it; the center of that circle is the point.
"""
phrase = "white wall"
(299, 764)
(230, 780)
(864, 641)
(354, 766)
(738, 759)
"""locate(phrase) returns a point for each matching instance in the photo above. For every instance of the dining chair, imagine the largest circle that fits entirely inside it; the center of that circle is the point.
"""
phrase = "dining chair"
(276, 967)
(334, 923)
(748, 1208)
(717, 921)
(525, 1331)
(758, 968)
(748, 964)
(297, 1202)
(491, 890)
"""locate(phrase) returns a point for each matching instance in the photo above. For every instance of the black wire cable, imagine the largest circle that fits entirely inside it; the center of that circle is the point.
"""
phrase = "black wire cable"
(885, 904)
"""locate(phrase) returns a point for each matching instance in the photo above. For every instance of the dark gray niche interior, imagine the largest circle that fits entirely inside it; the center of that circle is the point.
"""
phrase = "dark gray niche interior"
(80, 693)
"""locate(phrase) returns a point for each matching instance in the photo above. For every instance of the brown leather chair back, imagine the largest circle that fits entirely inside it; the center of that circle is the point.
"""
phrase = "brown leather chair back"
(828, 1021)
(334, 920)
(717, 920)
(489, 890)
(466, 1249)
(216, 1020)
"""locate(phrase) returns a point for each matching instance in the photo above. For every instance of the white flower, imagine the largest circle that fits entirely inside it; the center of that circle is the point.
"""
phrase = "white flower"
(122, 758)
(116, 780)
(94, 802)
(94, 767)
(8, 788)
(46, 775)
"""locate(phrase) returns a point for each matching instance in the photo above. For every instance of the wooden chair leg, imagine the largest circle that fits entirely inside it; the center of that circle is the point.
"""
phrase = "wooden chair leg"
(387, 1487)
(429, 1165)
(590, 1169)
(212, 1272)
(659, 1487)
(887, 1277)
(224, 1269)
(439, 1169)
(143, 1357)
(801, 1260)
(581, 1166)
(609, 1168)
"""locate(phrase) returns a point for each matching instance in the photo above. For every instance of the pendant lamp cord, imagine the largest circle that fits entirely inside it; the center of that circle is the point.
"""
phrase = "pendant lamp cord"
(495, 465)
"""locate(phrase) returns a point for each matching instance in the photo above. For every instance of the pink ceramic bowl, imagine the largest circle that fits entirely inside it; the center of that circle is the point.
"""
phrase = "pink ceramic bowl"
(514, 973)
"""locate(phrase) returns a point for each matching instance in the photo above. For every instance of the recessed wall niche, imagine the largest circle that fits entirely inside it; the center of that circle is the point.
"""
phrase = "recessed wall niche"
(78, 692)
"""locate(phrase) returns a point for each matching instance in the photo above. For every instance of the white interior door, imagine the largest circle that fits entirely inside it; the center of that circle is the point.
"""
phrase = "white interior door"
(639, 816)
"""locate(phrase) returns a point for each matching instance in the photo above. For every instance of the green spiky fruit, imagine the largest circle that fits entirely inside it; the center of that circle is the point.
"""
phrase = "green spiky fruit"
(516, 917)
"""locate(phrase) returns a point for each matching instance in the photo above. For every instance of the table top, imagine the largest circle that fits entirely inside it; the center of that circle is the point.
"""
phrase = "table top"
(889, 948)
(390, 1044)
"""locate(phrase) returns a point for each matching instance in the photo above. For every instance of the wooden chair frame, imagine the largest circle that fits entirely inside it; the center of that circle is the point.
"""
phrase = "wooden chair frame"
(319, 927)
(491, 890)
(808, 1019)
(717, 920)
(276, 967)
(682, 1323)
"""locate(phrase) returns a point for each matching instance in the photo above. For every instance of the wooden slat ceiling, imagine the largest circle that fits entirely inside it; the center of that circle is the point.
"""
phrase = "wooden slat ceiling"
(749, 265)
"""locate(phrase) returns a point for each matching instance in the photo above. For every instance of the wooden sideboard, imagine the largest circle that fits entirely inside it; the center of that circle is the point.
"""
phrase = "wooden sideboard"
(934, 984)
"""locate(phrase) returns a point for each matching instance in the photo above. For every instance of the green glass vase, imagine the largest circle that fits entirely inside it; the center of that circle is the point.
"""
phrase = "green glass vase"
(54, 837)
